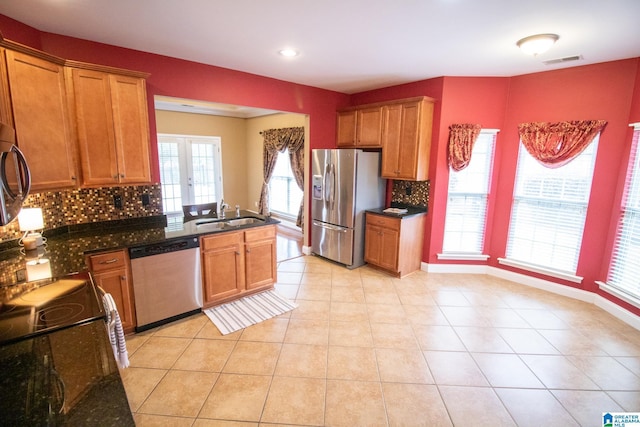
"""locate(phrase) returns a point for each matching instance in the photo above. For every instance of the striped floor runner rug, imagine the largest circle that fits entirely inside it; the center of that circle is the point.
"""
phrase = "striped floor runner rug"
(248, 311)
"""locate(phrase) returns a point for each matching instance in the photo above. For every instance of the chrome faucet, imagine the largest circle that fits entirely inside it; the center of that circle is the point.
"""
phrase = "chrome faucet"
(223, 206)
(237, 211)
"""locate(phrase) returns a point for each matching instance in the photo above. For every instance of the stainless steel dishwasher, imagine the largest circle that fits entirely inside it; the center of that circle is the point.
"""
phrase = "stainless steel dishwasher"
(166, 281)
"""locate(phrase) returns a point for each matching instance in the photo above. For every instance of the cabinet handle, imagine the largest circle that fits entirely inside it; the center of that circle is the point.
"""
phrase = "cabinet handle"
(121, 175)
(109, 261)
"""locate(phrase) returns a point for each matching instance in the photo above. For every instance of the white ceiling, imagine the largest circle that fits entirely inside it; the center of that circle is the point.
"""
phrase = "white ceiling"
(349, 45)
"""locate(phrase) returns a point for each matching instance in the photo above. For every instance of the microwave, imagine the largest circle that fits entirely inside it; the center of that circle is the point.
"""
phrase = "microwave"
(15, 178)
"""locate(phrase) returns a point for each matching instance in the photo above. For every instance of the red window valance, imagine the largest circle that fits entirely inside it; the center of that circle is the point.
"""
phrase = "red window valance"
(461, 140)
(556, 144)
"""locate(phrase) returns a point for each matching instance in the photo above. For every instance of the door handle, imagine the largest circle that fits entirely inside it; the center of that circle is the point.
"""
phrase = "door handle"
(330, 227)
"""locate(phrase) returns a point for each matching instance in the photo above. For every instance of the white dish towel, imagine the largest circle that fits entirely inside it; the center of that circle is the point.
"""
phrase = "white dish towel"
(116, 333)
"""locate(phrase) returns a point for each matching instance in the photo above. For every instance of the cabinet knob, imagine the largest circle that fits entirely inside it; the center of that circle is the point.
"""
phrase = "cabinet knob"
(248, 250)
(237, 252)
(121, 175)
(123, 278)
(115, 177)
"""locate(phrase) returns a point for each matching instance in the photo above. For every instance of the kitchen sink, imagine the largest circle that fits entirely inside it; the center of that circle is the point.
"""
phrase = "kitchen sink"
(242, 221)
(211, 226)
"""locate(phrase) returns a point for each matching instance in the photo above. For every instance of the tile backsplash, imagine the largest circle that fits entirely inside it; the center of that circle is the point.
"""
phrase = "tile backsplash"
(415, 193)
(87, 205)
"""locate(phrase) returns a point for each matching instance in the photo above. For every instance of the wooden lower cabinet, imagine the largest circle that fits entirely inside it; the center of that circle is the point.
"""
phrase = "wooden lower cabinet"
(111, 271)
(235, 264)
(394, 244)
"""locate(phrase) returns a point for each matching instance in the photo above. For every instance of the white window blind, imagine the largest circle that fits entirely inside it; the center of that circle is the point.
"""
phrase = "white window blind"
(284, 194)
(466, 213)
(549, 211)
(624, 271)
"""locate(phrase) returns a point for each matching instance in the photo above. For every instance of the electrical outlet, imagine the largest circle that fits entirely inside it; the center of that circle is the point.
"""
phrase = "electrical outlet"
(117, 201)
(145, 200)
(408, 191)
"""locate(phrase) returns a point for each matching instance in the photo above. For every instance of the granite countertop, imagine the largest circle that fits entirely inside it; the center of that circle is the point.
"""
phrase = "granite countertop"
(66, 248)
(411, 211)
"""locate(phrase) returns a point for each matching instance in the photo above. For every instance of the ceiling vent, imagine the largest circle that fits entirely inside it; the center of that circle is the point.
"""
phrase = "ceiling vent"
(562, 60)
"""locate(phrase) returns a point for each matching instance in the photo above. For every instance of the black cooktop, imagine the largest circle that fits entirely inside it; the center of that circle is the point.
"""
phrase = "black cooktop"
(36, 308)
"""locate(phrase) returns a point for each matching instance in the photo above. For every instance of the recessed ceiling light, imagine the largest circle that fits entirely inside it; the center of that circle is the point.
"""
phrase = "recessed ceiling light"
(288, 52)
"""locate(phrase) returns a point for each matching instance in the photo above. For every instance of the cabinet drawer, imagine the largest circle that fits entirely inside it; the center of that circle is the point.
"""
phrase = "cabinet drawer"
(107, 261)
(221, 240)
(260, 233)
(383, 221)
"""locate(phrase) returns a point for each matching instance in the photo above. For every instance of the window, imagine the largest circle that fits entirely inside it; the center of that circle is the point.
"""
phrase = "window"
(624, 271)
(548, 213)
(284, 194)
(190, 171)
(467, 201)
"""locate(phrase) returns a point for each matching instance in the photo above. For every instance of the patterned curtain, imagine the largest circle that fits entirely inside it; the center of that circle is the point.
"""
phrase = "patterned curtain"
(461, 140)
(278, 141)
(556, 144)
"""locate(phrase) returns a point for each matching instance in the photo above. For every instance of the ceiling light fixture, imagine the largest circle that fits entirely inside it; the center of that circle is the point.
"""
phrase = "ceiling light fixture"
(535, 45)
(289, 53)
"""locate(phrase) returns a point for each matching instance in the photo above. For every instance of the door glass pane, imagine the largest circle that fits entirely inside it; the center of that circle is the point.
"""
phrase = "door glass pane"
(170, 176)
(203, 173)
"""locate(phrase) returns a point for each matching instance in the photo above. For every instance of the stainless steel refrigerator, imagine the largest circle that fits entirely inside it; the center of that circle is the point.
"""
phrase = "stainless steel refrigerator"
(345, 183)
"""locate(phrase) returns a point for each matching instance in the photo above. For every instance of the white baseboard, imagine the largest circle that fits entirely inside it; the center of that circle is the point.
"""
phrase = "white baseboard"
(546, 285)
(306, 250)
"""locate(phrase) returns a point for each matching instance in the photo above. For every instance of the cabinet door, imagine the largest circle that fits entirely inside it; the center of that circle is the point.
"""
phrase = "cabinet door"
(408, 141)
(118, 284)
(111, 271)
(373, 242)
(392, 122)
(369, 127)
(346, 129)
(95, 127)
(41, 120)
(131, 125)
(260, 257)
(389, 249)
(222, 266)
(6, 116)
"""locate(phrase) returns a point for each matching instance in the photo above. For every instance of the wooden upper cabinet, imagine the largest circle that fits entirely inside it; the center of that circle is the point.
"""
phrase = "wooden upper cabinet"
(41, 118)
(131, 121)
(360, 128)
(113, 127)
(346, 129)
(406, 143)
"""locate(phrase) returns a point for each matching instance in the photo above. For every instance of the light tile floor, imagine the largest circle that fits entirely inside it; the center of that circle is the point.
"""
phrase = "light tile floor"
(365, 349)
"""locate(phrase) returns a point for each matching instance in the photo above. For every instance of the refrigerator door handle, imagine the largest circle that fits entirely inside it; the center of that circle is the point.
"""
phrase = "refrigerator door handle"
(325, 184)
(330, 227)
(332, 171)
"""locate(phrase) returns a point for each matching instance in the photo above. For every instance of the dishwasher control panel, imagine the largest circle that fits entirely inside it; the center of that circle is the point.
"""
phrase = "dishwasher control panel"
(163, 247)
